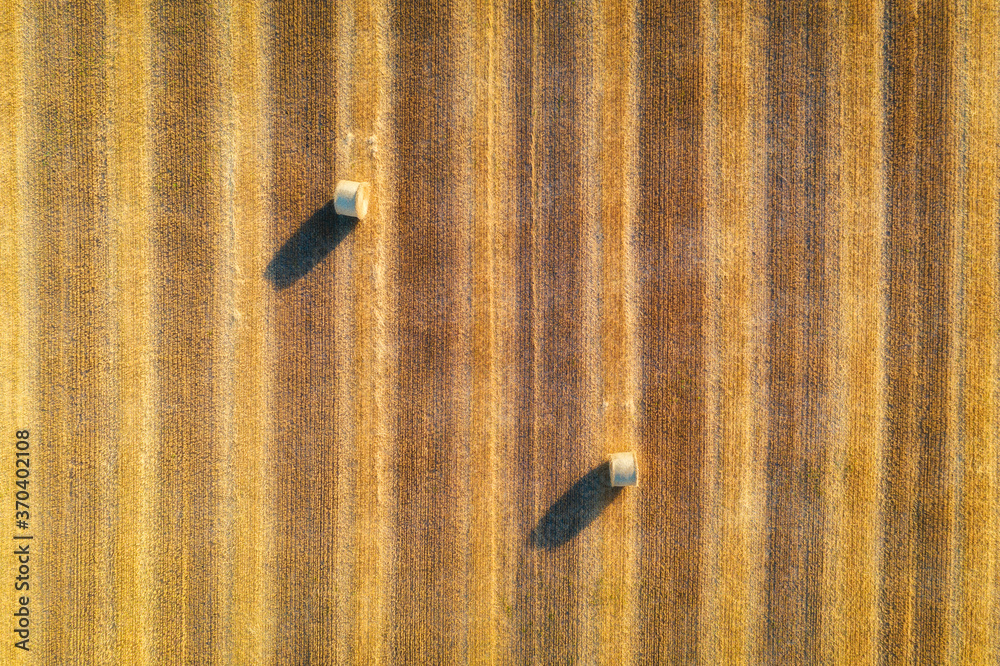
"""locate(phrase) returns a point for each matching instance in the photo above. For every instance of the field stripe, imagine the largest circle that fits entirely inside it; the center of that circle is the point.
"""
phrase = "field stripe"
(434, 263)
(129, 180)
(253, 616)
(308, 259)
(375, 344)
(67, 197)
(12, 338)
(353, 160)
(919, 519)
(11, 136)
(516, 297)
(565, 335)
(802, 271)
(978, 538)
(18, 340)
(937, 213)
(525, 519)
(484, 642)
(732, 582)
(896, 602)
(95, 353)
(41, 168)
(709, 603)
(511, 224)
(186, 180)
(225, 337)
(670, 243)
(588, 223)
(854, 464)
(615, 591)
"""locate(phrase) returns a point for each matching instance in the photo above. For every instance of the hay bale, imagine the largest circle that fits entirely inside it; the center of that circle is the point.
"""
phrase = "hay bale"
(623, 470)
(351, 198)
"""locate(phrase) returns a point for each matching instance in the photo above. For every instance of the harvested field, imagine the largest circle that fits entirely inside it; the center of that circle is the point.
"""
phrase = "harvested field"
(757, 243)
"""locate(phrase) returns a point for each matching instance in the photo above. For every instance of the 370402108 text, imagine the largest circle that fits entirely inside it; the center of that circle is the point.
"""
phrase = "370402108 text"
(22, 549)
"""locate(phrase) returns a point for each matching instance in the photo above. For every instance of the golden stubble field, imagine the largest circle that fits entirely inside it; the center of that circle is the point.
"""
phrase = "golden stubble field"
(756, 243)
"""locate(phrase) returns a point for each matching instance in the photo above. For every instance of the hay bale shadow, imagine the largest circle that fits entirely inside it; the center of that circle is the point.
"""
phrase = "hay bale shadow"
(308, 246)
(575, 509)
